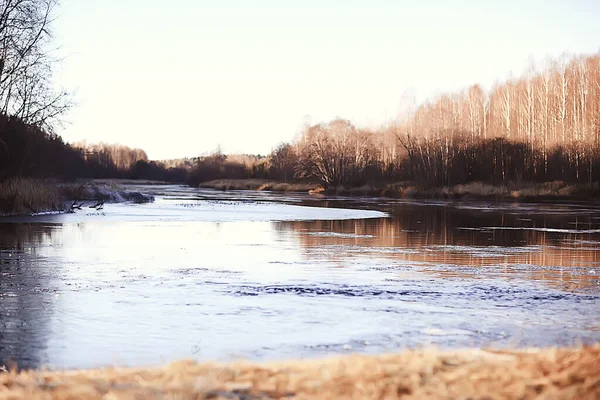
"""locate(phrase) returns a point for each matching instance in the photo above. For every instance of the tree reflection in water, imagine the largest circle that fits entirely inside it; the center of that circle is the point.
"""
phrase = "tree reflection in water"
(26, 298)
(558, 246)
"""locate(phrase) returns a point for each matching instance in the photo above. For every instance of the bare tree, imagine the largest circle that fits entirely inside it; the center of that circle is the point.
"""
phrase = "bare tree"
(334, 153)
(26, 62)
(476, 111)
(282, 161)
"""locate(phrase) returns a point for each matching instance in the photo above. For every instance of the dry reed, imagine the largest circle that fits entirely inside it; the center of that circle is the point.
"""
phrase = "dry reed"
(257, 184)
(477, 190)
(29, 196)
(25, 196)
(418, 374)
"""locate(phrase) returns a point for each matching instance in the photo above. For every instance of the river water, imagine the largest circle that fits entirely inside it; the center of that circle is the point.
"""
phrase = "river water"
(219, 276)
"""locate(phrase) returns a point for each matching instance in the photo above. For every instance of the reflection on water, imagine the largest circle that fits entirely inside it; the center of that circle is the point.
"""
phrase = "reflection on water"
(26, 295)
(561, 248)
(22, 236)
(144, 284)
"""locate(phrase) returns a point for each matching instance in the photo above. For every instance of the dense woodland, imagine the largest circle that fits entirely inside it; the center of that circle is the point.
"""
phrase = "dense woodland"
(543, 126)
(31, 108)
(28, 151)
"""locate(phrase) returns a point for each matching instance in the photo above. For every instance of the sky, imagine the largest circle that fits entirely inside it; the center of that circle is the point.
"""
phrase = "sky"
(181, 78)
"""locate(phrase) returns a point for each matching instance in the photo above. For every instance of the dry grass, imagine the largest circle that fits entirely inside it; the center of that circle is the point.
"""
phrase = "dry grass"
(258, 184)
(29, 196)
(419, 374)
(510, 191)
(526, 190)
(117, 183)
(26, 196)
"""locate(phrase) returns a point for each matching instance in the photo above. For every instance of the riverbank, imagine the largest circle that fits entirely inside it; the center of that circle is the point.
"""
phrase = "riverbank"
(478, 190)
(26, 196)
(258, 184)
(416, 374)
(31, 196)
(475, 190)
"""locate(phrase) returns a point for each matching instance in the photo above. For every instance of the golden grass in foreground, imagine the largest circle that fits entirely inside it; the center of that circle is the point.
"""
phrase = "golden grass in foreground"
(418, 374)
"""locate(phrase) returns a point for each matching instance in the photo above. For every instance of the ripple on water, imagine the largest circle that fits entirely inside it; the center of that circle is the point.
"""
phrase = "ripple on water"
(333, 290)
(504, 295)
(340, 235)
(183, 277)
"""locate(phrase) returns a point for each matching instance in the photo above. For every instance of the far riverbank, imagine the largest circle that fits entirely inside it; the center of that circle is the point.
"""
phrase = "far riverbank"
(509, 192)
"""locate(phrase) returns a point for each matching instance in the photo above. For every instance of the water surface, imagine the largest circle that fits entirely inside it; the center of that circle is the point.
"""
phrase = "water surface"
(218, 276)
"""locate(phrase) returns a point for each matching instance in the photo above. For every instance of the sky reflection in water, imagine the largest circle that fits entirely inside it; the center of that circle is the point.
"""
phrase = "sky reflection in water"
(219, 276)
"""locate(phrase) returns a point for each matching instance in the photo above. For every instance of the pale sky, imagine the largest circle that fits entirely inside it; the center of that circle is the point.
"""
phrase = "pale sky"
(180, 77)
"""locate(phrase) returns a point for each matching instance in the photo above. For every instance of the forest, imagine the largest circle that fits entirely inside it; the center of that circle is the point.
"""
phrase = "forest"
(543, 126)
(28, 151)
(32, 108)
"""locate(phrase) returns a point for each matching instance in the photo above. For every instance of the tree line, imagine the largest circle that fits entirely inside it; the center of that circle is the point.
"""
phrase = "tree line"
(543, 126)
(27, 150)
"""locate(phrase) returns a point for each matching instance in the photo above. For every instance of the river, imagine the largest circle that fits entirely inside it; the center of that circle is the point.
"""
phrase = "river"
(219, 276)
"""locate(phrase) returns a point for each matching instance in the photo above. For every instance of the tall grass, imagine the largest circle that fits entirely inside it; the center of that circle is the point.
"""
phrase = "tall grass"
(28, 196)
(539, 373)
(512, 190)
(25, 196)
(477, 190)
(258, 184)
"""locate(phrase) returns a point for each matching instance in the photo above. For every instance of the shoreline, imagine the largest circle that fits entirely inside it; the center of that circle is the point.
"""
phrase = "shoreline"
(258, 185)
(549, 191)
(35, 197)
(558, 373)
(30, 196)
